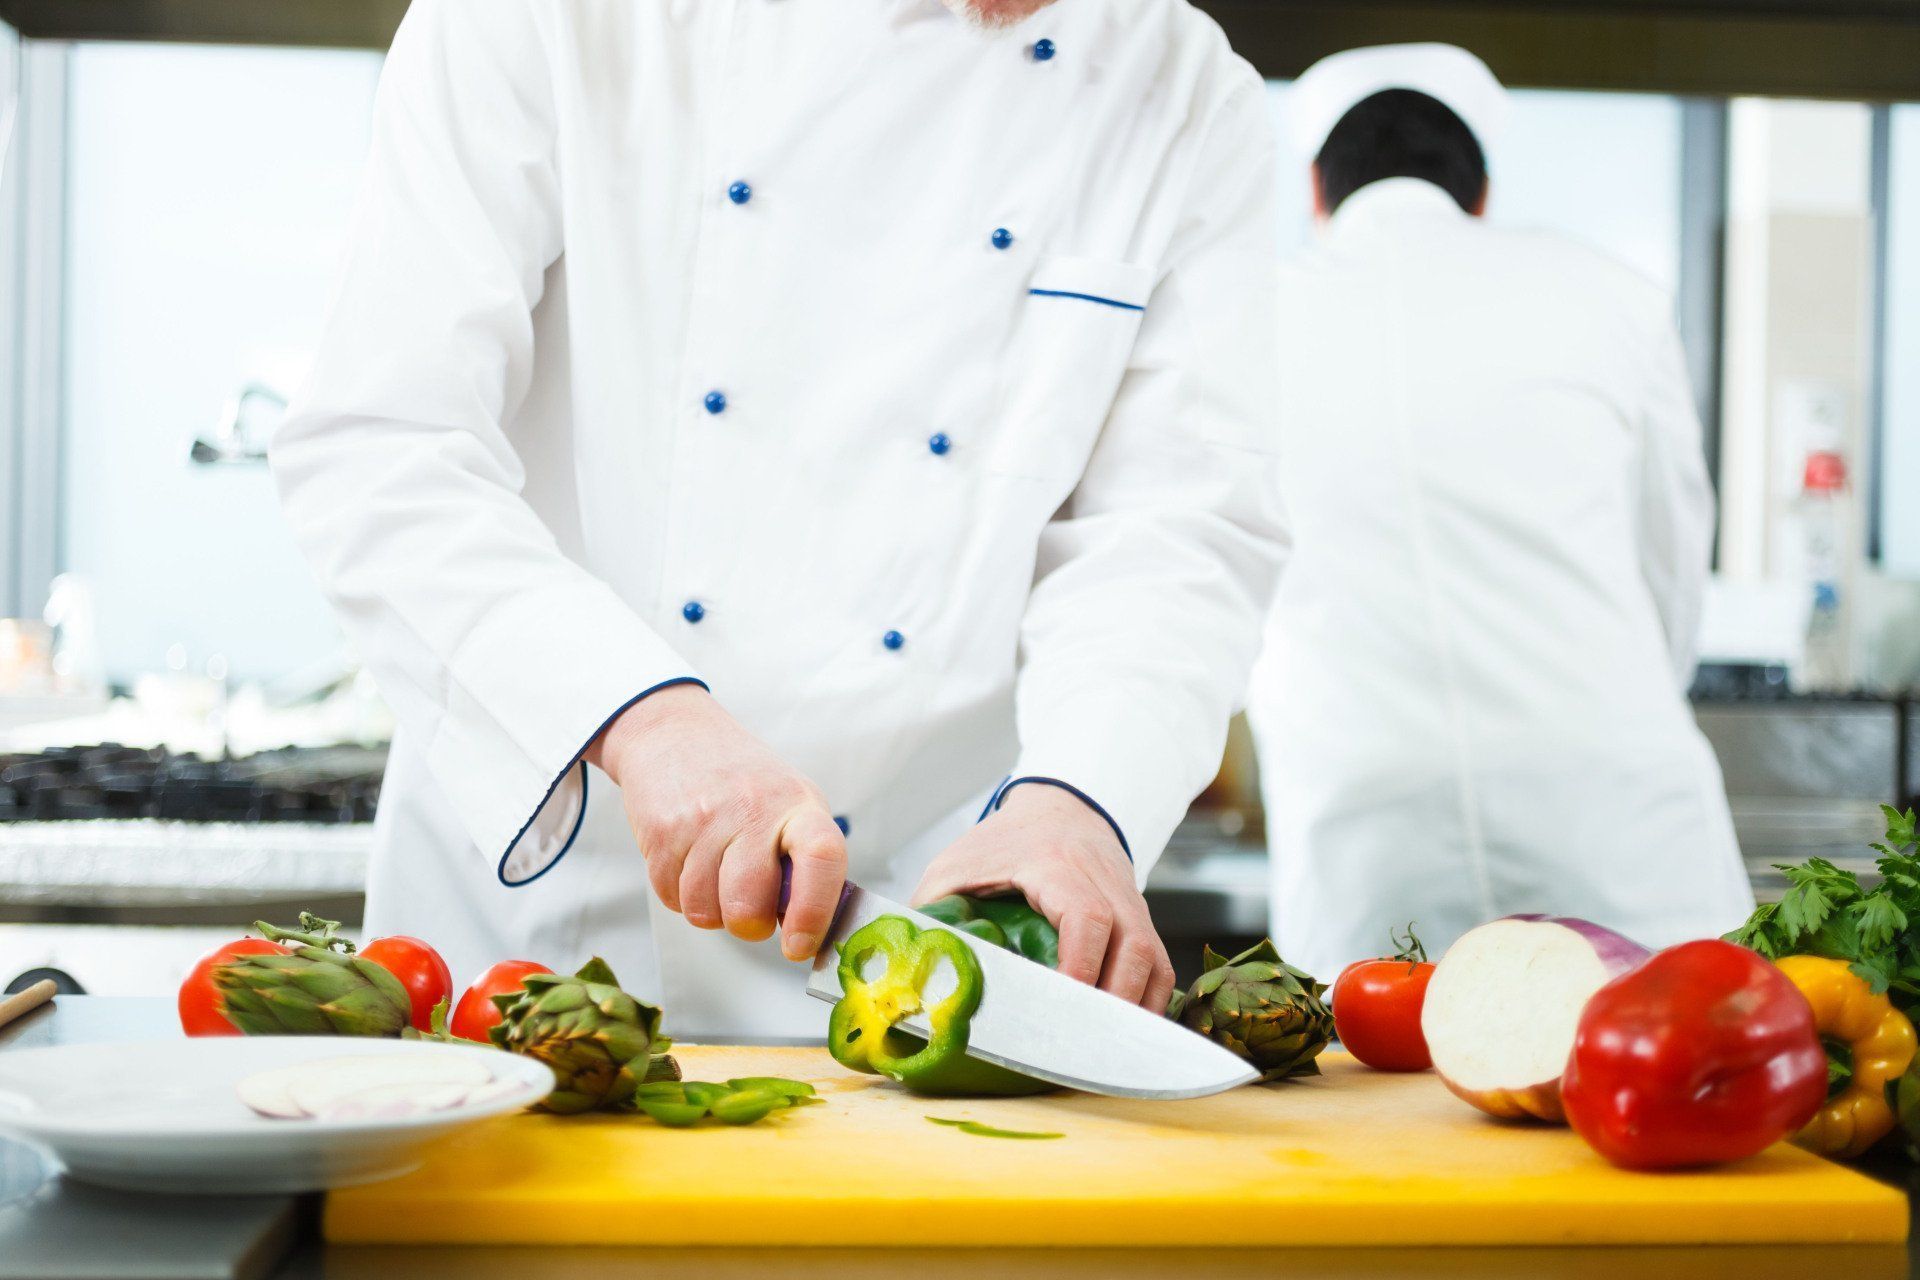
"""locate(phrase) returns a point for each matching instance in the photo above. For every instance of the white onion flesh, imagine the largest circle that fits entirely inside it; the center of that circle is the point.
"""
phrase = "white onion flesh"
(396, 1101)
(1504, 1003)
(368, 1087)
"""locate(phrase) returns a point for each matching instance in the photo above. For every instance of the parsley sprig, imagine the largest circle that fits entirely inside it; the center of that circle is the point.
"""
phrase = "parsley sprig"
(1828, 912)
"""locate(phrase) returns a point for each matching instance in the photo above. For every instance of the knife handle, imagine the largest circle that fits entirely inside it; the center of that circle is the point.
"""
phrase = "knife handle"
(786, 892)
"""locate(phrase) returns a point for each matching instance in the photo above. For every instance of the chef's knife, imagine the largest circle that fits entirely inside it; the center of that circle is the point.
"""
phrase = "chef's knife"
(1044, 1024)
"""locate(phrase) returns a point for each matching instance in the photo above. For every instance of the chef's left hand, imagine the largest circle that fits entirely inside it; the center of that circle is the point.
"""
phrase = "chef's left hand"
(1051, 847)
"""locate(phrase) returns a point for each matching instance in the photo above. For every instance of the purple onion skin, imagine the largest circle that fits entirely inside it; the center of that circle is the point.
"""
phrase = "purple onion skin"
(1618, 954)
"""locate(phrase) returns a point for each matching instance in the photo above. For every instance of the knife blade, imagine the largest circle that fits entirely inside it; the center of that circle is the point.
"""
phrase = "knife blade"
(1042, 1023)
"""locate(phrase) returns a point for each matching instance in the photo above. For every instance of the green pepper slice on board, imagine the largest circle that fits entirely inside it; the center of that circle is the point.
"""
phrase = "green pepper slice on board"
(747, 1106)
(789, 1089)
(863, 1032)
(671, 1112)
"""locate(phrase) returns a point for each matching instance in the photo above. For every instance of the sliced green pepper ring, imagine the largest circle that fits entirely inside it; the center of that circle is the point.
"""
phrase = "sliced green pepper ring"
(861, 1033)
(671, 1112)
(786, 1088)
(671, 1090)
(747, 1106)
(704, 1093)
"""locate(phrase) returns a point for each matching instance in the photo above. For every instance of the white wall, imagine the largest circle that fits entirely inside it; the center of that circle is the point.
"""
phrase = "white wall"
(208, 200)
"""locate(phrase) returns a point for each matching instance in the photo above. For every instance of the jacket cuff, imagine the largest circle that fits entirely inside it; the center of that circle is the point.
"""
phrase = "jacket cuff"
(528, 690)
(999, 798)
(1113, 751)
(550, 832)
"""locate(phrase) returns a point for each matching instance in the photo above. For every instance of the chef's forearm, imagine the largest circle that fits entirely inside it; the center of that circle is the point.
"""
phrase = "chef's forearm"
(1048, 790)
(1137, 755)
(656, 710)
(1137, 650)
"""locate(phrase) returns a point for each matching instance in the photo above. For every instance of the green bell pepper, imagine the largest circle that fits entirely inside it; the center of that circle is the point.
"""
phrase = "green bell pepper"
(863, 1032)
(1005, 922)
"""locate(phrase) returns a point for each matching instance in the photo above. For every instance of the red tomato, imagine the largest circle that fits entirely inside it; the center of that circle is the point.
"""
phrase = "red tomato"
(1376, 1009)
(1706, 1053)
(421, 971)
(476, 1014)
(200, 1007)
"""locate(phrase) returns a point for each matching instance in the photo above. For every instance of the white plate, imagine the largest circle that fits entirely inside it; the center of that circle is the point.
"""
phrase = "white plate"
(162, 1115)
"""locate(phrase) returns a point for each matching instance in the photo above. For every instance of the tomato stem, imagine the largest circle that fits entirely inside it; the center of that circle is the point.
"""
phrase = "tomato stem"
(1409, 946)
(313, 932)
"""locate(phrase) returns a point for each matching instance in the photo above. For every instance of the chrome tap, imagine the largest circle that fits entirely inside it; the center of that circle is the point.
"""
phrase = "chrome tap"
(232, 441)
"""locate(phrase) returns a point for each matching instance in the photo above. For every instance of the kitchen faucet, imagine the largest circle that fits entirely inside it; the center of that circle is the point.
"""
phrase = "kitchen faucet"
(232, 442)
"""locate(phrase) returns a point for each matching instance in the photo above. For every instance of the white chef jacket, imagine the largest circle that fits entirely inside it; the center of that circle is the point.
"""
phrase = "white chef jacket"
(1469, 703)
(905, 383)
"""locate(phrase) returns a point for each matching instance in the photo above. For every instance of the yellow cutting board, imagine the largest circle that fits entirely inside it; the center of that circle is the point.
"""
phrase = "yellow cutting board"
(1351, 1157)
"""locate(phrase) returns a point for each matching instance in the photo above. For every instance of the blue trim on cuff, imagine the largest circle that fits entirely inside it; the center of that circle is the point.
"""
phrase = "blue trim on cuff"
(579, 820)
(500, 872)
(1105, 302)
(999, 798)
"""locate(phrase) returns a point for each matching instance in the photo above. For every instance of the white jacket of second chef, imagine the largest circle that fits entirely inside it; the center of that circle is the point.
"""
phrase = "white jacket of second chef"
(907, 383)
(1470, 700)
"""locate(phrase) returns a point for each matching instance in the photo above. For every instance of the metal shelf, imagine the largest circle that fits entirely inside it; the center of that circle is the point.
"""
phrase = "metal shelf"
(62, 866)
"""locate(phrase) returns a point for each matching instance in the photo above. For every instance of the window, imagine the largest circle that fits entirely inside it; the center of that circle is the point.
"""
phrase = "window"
(1899, 513)
(1622, 195)
(207, 194)
(1604, 167)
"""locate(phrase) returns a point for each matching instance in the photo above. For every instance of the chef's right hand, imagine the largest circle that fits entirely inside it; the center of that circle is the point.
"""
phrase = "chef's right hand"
(714, 809)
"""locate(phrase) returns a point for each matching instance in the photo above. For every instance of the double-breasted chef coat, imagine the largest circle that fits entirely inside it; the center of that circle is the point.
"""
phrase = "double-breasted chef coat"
(906, 383)
(1470, 702)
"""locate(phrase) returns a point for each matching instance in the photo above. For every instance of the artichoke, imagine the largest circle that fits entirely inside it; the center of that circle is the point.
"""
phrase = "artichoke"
(320, 988)
(436, 1028)
(1260, 1007)
(598, 1039)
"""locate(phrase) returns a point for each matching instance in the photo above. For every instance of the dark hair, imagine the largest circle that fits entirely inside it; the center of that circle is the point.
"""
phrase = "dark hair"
(1401, 133)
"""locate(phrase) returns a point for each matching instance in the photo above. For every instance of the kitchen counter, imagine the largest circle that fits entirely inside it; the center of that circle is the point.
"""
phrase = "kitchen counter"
(83, 1232)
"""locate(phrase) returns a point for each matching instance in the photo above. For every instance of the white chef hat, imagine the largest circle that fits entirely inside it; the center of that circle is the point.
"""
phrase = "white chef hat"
(1336, 84)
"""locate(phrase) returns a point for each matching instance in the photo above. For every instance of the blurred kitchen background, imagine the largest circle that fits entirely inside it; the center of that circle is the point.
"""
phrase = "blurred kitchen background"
(185, 745)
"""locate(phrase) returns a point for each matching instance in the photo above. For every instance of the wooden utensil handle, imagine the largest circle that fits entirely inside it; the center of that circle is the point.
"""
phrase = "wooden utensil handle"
(13, 1006)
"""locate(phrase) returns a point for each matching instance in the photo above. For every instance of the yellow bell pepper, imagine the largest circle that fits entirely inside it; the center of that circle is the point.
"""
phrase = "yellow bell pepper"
(1846, 1011)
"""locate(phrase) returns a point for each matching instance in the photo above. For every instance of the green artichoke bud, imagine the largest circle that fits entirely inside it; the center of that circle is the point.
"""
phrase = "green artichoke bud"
(660, 1066)
(311, 991)
(1260, 1007)
(436, 1028)
(598, 1040)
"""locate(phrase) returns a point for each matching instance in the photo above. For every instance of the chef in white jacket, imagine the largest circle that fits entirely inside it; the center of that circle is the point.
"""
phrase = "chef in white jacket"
(1470, 701)
(743, 423)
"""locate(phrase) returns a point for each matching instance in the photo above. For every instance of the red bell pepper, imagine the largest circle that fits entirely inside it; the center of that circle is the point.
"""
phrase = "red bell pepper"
(1706, 1053)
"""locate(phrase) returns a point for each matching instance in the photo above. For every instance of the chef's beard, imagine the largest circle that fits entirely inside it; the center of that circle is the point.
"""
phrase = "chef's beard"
(993, 14)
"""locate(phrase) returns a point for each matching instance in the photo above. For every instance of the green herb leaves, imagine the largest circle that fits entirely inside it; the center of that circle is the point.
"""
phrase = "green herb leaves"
(1827, 912)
